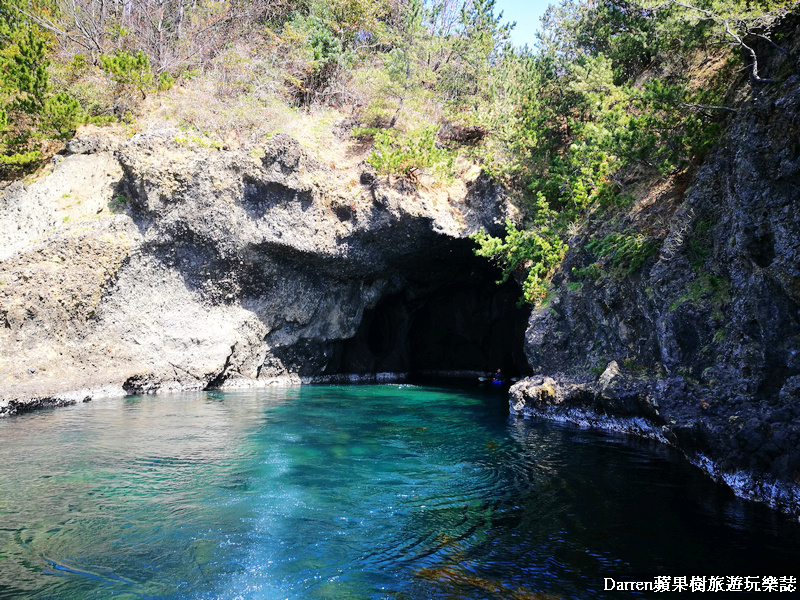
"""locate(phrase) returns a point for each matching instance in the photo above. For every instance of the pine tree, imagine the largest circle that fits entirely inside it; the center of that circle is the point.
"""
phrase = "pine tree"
(25, 76)
(129, 70)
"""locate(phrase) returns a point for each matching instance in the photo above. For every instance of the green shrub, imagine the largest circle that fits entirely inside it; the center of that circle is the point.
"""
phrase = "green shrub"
(62, 113)
(32, 114)
(318, 56)
(165, 82)
(20, 159)
(324, 44)
(408, 154)
(663, 130)
(717, 289)
(129, 70)
(25, 77)
(627, 250)
(78, 67)
(592, 271)
(533, 253)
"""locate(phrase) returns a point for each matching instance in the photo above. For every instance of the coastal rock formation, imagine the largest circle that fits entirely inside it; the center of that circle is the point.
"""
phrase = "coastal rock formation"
(156, 264)
(204, 268)
(701, 347)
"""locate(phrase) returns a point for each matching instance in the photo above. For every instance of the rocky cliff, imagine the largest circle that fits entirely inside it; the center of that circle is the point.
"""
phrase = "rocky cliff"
(700, 348)
(153, 264)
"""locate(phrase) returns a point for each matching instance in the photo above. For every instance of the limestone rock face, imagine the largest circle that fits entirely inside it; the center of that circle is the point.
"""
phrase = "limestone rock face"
(216, 270)
(708, 330)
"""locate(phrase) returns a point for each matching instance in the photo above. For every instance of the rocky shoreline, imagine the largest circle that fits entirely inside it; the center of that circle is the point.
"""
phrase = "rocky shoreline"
(26, 403)
(648, 409)
(22, 404)
(699, 347)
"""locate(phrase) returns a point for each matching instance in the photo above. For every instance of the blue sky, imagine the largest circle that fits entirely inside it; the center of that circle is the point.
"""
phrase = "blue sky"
(526, 13)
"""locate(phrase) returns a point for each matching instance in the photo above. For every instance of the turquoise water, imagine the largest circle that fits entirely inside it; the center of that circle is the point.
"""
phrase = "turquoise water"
(354, 493)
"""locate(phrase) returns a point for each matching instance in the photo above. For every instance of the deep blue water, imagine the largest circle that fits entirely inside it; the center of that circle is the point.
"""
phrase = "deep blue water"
(360, 492)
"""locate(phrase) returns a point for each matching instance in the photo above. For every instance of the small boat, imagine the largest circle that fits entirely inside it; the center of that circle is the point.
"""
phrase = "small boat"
(498, 381)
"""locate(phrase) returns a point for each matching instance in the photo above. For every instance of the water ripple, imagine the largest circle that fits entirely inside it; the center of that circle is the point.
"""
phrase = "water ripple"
(351, 492)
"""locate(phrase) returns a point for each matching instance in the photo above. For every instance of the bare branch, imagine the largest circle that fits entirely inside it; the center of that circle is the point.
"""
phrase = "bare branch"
(773, 44)
(703, 108)
(726, 24)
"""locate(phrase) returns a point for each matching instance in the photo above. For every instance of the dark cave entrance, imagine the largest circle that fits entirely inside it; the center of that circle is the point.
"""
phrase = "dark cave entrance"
(449, 319)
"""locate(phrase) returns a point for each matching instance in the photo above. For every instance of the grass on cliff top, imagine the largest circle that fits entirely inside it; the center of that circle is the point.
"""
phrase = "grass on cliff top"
(245, 103)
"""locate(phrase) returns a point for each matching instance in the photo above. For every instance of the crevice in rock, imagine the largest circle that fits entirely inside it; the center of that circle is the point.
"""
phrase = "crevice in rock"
(762, 249)
(217, 380)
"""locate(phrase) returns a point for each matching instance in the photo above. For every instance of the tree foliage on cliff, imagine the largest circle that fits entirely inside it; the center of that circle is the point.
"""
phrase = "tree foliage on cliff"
(605, 98)
(536, 252)
(31, 111)
(602, 95)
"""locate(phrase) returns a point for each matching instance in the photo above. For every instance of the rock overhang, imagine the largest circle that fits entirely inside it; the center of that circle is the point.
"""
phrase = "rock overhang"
(241, 271)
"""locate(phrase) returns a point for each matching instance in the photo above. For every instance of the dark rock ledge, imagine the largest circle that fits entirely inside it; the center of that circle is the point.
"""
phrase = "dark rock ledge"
(718, 439)
(26, 403)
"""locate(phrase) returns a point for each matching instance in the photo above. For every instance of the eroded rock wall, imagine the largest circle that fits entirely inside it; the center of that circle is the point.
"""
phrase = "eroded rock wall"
(705, 338)
(216, 270)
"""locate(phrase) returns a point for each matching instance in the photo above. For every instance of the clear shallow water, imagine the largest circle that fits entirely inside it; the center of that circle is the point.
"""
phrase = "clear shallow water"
(360, 492)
